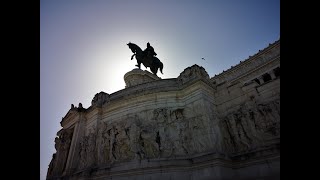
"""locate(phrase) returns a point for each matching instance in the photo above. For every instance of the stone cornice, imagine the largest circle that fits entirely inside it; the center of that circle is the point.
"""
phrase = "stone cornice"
(189, 76)
(260, 70)
(165, 85)
(269, 53)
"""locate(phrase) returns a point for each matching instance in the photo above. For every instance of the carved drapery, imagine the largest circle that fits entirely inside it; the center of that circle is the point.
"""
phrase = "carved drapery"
(250, 126)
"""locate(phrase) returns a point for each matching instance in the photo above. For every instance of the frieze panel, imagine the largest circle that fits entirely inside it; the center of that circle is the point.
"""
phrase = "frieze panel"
(87, 153)
(167, 133)
(250, 126)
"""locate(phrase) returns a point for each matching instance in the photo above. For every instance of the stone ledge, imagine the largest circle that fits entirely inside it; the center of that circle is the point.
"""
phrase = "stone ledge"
(173, 166)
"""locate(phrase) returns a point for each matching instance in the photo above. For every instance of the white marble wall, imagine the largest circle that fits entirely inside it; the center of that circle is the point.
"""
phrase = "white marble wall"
(189, 127)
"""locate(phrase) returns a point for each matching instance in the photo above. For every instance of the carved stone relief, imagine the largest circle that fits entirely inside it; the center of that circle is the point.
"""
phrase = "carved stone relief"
(62, 145)
(90, 149)
(148, 142)
(192, 72)
(99, 99)
(83, 153)
(167, 133)
(101, 143)
(121, 146)
(172, 132)
(250, 126)
(87, 152)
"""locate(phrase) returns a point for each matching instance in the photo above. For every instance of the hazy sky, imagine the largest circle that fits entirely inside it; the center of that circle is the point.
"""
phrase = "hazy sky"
(83, 46)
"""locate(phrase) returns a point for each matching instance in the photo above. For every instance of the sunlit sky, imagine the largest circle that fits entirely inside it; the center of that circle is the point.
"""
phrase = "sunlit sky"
(83, 46)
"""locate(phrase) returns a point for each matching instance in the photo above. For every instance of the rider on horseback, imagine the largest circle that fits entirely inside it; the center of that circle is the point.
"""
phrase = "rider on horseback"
(150, 51)
(146, 57)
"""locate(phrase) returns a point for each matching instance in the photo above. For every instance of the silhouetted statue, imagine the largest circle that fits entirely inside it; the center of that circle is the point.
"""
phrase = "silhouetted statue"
(146, 57)
(150, 51)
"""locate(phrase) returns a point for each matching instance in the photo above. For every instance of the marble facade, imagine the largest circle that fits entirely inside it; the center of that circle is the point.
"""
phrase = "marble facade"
(191, 127)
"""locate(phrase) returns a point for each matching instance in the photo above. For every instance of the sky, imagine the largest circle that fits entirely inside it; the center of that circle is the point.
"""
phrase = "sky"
(83, 47)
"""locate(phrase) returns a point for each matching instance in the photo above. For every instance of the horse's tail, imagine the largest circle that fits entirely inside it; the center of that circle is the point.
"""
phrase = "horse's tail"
(161, 67)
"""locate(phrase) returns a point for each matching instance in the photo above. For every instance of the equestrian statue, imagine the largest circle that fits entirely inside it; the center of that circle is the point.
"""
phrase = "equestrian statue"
(146, 57)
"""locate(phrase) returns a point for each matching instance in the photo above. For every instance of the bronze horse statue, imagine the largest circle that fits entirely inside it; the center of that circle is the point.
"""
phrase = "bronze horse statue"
(141, 56)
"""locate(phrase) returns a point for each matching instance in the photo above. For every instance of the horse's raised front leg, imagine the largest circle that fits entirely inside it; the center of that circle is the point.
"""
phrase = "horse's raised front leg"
(132, 56)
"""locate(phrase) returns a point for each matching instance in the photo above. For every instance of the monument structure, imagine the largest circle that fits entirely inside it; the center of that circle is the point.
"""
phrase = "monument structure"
(189, 127)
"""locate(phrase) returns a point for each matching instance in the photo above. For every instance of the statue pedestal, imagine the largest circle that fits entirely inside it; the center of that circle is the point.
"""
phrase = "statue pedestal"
(138, 76)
